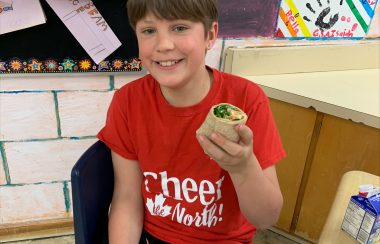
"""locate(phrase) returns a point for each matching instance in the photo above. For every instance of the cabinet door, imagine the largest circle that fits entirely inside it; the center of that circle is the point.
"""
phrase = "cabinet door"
(295, 125)
(342, 146)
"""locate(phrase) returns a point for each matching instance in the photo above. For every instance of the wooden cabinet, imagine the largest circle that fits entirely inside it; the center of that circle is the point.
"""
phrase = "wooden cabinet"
(342, 146)
(320, 149)
(295, 125)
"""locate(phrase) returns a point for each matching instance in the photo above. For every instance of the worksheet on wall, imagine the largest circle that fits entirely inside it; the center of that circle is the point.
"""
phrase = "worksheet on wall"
(20, 14)
(88, 26)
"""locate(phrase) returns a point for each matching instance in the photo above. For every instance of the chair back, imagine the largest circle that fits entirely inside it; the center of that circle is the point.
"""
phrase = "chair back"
(92, 182)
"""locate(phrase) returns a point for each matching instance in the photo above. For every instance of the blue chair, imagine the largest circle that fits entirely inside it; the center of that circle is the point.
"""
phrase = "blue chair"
(92, 182)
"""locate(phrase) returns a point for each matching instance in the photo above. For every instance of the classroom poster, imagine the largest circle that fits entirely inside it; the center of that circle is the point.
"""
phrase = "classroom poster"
(325, 18)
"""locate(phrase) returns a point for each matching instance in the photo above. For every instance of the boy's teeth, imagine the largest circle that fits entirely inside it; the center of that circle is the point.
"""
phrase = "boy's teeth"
(168, 63)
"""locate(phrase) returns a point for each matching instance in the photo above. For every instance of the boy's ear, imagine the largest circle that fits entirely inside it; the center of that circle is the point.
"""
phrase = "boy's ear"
(213, 33)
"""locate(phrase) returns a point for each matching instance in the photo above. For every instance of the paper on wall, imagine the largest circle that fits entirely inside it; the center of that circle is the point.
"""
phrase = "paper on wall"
(88, 26)
(5, 3)
(20, 14)
(325, 18)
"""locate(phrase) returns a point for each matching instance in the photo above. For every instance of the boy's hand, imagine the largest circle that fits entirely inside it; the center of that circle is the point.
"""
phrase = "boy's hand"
(232, 157)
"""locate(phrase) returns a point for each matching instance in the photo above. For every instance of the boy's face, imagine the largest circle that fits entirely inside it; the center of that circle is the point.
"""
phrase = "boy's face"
(173, 51)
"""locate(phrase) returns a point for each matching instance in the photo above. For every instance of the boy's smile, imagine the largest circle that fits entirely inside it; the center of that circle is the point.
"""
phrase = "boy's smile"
(173, 51)
(169, 63)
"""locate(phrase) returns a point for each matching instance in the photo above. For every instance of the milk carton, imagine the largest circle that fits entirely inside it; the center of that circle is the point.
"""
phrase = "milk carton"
(362, 218)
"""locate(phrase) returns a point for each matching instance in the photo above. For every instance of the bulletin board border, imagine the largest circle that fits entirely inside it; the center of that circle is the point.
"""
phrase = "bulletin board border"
(68, 65)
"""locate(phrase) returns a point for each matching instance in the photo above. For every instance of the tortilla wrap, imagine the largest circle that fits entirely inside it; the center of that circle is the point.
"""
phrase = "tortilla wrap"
(224, 126)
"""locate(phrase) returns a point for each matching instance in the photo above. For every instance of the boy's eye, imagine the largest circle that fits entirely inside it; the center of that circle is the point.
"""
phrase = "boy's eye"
(180, 28)
(148, 31)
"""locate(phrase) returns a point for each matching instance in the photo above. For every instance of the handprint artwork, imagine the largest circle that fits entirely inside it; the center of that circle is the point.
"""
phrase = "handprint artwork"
(325, 18)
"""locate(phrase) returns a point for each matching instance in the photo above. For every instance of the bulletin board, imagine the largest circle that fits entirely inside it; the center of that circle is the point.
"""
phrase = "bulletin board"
(51, 48)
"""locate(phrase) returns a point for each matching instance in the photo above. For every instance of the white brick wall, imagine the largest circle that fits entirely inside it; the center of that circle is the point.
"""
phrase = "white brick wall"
(25, 116)
(46, 124)
(43, 161)
(2, 176)
(82, 113)
(32, 202)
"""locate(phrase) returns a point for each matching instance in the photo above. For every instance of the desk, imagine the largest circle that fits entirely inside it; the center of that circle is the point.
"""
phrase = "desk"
(348, 94)
(348, 186)
(340, 80)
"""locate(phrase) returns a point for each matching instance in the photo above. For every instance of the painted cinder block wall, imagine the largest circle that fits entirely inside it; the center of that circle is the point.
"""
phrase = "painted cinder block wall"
(46, 123)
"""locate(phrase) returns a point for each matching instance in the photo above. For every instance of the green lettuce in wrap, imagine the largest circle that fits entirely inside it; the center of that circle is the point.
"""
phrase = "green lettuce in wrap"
(223, 118)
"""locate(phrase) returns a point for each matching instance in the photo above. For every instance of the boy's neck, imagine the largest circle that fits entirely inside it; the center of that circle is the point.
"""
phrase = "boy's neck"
(191, 94)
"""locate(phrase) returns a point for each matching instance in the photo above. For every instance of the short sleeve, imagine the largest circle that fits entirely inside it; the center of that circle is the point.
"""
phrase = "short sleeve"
(267, 144)
(116, 132)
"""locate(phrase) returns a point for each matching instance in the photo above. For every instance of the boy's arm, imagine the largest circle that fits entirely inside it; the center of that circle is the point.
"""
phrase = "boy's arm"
(259, 195)
(126, 214)
(258, 190)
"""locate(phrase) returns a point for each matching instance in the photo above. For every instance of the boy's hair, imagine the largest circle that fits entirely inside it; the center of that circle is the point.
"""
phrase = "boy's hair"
(205, 11)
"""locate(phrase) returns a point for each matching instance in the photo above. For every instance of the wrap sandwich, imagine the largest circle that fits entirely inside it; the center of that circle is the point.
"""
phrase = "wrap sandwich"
(223, 118)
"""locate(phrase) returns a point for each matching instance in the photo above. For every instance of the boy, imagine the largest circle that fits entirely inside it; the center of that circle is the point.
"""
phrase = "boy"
(170, 185)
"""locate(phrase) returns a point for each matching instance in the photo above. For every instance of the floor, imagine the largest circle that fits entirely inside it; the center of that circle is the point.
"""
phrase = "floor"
(262, 237)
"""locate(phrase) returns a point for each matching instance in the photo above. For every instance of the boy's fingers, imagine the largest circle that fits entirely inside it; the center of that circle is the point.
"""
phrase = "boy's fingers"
(245, 134)
(228, 146)
(209, 147)
(216, 144)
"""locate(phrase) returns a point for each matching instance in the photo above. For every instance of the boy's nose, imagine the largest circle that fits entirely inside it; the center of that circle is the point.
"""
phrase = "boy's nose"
(164, 43)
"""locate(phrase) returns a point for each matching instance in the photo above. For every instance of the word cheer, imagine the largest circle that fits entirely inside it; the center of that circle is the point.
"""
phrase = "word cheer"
(189, 190)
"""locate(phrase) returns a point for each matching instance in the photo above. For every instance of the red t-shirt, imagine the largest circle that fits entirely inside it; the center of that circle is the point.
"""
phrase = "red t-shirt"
(188, 198)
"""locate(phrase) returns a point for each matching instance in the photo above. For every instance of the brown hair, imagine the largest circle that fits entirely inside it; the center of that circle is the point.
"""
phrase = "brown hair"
(204, 11)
